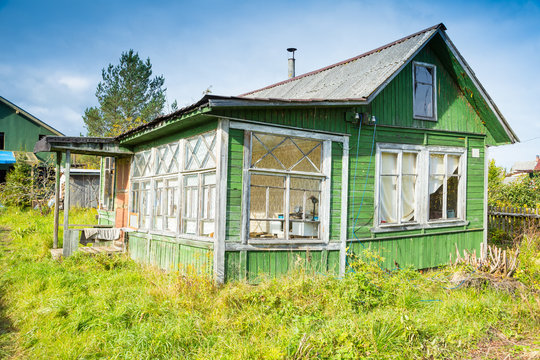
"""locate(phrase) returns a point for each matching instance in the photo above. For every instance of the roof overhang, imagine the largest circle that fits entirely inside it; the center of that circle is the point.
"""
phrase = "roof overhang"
(82, 145)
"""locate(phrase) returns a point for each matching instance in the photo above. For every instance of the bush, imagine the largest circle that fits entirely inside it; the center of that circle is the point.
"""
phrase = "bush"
(16, 190)
(26, 184)
(524, 192)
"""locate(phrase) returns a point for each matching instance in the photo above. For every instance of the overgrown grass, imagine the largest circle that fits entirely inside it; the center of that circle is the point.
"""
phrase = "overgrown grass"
(109, 307)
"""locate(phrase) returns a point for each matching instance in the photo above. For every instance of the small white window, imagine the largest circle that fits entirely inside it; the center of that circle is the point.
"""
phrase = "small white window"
(398, 179)
(419, 186)
(199, 204)
(199, 185)
(424, 92)
(444, 185)
(140, 205)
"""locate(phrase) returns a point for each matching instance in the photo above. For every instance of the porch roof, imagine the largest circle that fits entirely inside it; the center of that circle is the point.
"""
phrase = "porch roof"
(82, 145)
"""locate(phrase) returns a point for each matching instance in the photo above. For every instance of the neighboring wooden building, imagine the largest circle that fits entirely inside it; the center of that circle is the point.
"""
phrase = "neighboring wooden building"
(19, 131)
(387, 150)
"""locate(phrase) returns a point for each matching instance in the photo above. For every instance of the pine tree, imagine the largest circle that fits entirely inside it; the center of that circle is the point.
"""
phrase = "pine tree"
(128, 96)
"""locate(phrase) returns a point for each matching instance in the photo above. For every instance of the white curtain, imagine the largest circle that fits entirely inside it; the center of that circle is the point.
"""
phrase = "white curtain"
(436, 167)
(408, 186)
(388, 189)
(452, 163)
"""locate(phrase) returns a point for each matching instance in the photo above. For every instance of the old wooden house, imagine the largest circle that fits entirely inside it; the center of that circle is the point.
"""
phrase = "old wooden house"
(386, 150)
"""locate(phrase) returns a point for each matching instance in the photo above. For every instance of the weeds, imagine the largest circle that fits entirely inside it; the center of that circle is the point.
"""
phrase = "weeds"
(109, 307)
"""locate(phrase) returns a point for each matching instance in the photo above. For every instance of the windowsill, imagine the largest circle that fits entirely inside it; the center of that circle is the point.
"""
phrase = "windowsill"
(430, 225)
(284, 242)
(418, 117)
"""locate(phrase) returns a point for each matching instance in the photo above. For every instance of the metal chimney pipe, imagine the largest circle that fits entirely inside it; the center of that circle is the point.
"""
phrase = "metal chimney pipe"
(291, 63)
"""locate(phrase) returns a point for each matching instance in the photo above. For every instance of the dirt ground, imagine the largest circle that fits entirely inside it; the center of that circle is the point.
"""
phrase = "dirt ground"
(499, 347)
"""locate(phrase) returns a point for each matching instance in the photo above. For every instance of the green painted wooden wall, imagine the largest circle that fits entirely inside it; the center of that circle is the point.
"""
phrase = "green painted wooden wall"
(168, 253)
(418, 251)
(234, 185)
(394, 105)
(258, 265)
(106, 217)
(20, 133)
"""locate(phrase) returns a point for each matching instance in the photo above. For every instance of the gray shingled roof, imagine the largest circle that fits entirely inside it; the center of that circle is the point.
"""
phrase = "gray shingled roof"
(355, 79)
(523, 166)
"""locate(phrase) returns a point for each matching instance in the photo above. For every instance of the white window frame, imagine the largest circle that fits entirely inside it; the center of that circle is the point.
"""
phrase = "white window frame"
(151, 176)
(422, 188)
(433, 93)
(200, 172)
(324, 176)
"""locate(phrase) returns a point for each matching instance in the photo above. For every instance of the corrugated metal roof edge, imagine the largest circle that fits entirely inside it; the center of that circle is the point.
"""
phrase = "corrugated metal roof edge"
(218, 100)
(438, 26)
(30, 116)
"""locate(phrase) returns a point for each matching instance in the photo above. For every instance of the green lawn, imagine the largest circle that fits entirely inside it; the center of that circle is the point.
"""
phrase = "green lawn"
(110, 307)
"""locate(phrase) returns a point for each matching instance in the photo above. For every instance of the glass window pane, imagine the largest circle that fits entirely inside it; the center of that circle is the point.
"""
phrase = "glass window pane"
(312, 148)
(207, 228)
(436, 164)
(257, 149)
(409, 163)
(190, 227)
(408, 198)
(191, 196)
(388, 199)
(266, 229)
(297, 204)
(306, 166)
(288, 153)
(304, 230)
(436, 191)
(209, 179)
(423, 100)
(191, 180)
(423, 74)
(452, 164)
(389, 164)
(305, 183)
(267, 197)
(452, 197)
(158, 200)
(208, 202)
(270, 162)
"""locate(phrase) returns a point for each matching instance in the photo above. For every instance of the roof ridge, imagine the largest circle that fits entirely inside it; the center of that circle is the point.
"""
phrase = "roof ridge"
(440, 25)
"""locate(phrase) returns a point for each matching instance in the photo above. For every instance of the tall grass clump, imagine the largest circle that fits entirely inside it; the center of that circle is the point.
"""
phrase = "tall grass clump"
(93, 307)
(529, 270)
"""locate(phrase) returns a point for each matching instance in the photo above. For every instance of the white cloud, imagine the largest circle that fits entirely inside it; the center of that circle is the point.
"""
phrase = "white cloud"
(75, 83)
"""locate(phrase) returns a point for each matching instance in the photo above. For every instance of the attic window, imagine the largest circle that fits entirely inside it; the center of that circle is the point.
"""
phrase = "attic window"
(424, 100)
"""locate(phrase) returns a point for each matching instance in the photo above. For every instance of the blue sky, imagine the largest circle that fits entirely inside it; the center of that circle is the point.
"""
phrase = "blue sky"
(53, 51)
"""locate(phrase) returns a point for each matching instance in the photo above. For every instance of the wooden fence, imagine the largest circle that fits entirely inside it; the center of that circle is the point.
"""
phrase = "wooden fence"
(513, 221)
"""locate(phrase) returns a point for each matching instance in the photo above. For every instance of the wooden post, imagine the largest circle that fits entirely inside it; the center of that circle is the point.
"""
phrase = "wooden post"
(66, 195)
(222, 135)
(57, 199)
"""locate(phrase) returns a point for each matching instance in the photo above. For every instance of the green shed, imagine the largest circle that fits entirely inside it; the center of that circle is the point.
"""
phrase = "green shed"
(19, 131)
(386, 150)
